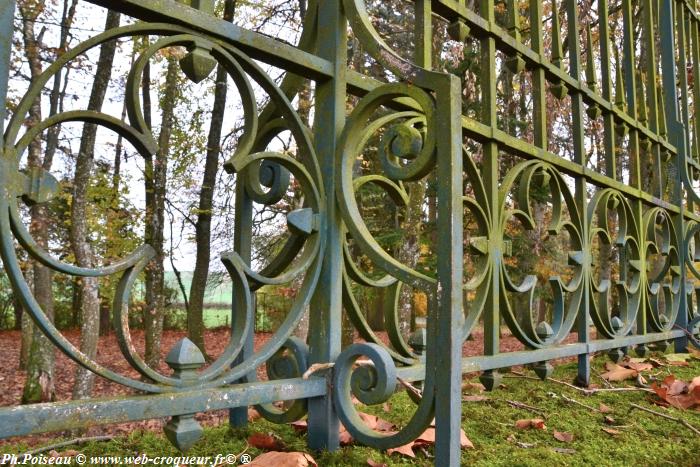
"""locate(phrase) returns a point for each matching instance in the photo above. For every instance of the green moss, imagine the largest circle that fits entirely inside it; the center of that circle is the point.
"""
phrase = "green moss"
(644, 439)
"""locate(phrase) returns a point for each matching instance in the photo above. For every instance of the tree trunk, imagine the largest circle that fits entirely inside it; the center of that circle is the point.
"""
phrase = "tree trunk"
(39, 384)
(409, 251)
(155, 180)
(195, 312)
(88, 287)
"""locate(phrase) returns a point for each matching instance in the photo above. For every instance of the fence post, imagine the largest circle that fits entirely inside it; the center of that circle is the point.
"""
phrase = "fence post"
(326, 305)
(677, 137)
(450, 316)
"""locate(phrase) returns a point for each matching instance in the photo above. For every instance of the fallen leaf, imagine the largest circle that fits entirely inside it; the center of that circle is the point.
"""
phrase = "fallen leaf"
(475, 387)
(406, 450)
(372, 463)
(475, 398)
(284, 459)
(70, 453)
(375, 423)
(618, 373)
(610, 431)
(695, 383)
(536, 423)
(253, 415)
(676, 393)
(609, 420)
(300, 426)
(344, 436)
(563, 436)
(639, 366)
(427, 437)
(465, 442)
(266, 442)
(604, 408)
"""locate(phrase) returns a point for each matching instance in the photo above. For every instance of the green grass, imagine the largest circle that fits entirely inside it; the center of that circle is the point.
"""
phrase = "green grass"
(645, 439)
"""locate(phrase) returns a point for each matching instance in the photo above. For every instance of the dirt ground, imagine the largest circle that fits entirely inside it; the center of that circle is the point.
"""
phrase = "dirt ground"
(109, 354)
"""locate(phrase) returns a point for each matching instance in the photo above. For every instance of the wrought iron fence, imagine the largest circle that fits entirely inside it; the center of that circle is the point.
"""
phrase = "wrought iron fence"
(640, 200)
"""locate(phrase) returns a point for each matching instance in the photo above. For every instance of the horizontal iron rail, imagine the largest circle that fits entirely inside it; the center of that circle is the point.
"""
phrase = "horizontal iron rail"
(69, 415)
(525, 357)
(262, 47)
(360, 85)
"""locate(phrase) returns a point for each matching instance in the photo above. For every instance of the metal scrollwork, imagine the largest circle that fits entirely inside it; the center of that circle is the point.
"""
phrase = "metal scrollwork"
(266, 176)
(407, 151)
(608, 205)
(567, 294)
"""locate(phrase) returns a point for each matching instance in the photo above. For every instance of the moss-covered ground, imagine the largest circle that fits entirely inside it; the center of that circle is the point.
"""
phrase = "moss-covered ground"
(638, 438)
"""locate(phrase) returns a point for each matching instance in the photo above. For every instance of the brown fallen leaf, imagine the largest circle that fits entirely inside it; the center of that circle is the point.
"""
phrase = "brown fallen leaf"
(610, 431)
(70, 453)
(406, 450)
(372, 463)
(563, 436)
(475, 398)
(604, 408)
(609, 420)
(676, 393)
(300, 426)
(344, 436)
(536, 423)
(284, 459)
(473, 387)
(375, 423)
(253, 414)
(465, 442)
(618, 373)
(639, 366)
(695, 383)
(266, 442)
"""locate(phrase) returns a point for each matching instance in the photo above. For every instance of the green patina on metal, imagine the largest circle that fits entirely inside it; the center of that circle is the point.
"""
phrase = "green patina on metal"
(424, 131)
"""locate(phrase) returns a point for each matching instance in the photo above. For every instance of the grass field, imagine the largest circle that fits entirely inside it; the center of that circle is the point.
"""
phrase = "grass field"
(622, 436)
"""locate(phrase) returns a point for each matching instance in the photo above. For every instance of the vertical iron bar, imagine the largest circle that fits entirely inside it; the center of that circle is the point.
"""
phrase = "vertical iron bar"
(605, 64)
(491, 378)
(326, 305)
(677, 138)
(243, 230)
(539, 82)
(652, 92)
(578, 110)
(628, 49)
(450, 316)
(424, 34)
(7, 10)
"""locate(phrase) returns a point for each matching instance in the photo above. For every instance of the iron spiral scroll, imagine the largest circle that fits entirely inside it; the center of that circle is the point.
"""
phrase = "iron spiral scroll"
(265, 175)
